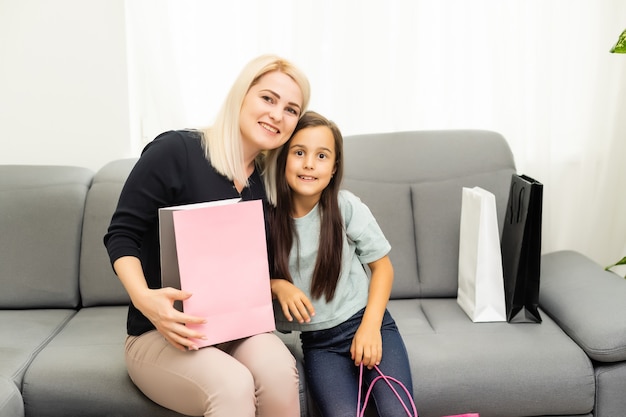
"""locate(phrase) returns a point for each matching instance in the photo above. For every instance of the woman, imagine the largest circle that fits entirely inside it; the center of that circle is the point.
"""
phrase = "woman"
(253, 376)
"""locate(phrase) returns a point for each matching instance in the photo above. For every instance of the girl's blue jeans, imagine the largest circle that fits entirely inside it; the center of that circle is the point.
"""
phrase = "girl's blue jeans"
(333, 378)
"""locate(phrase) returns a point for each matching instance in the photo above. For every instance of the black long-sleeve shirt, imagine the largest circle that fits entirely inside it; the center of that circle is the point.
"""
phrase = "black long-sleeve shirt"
(172, 170)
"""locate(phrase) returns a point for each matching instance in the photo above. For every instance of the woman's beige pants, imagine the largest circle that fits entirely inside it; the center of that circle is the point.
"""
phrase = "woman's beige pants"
(256, 376)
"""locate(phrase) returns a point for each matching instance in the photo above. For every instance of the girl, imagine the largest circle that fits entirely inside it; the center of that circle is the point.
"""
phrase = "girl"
(320, 238)
(254, 376)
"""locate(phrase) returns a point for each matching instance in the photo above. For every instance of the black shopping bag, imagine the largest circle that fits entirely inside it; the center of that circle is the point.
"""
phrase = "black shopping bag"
(521, 250)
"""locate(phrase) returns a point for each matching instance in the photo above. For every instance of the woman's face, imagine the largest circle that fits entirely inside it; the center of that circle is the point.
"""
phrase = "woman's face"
(270, 112)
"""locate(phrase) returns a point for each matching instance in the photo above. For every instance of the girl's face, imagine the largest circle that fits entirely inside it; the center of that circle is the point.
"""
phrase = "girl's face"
(310, 164)
(269, 112)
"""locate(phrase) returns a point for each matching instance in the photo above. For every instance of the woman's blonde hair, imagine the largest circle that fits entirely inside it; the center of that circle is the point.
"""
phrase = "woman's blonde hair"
(222, 141)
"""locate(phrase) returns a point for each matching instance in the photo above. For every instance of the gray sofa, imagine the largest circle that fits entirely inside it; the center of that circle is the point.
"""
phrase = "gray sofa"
(63, 312)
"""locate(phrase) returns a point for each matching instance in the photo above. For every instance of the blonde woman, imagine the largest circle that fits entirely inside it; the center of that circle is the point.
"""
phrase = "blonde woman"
(255, 376)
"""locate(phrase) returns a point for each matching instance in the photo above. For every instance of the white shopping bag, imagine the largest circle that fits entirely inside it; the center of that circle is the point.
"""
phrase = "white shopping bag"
(481, 284)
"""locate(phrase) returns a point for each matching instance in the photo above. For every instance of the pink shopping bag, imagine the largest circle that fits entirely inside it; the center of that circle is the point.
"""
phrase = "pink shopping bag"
(410, 412)
(464, 415)
(217, 251)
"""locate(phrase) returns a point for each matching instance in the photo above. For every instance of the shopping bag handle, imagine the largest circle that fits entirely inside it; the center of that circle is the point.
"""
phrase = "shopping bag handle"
(388, 379)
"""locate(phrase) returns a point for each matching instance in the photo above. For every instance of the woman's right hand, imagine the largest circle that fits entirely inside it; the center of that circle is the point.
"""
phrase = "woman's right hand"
(158, 305)
(294, 303)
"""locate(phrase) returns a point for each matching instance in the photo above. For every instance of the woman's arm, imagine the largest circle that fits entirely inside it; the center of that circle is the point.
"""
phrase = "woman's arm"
(158, 305)
(367, 344)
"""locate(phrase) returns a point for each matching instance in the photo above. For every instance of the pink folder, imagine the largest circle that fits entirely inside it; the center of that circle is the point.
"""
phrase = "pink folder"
(221, 257)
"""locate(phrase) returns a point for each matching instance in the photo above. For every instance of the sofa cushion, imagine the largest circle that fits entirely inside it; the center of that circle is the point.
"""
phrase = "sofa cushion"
(82, 371)
(425, 156)
(98, 283)
(24, 333)
(391, 206)
(611, 386)
(437, 211)
(39, 257)
(11, 403)
(429, 168)
(496, 369)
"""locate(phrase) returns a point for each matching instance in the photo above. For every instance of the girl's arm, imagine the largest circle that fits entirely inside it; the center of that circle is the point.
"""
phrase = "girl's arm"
(293, 301)
(367, 346)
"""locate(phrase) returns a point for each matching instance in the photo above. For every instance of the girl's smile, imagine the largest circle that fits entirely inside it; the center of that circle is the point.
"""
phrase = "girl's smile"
(310, 166)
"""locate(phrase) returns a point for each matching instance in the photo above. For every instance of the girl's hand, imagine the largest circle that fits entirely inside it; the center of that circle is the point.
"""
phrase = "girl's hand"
(367, 346)
(158, 307)
(294, 303)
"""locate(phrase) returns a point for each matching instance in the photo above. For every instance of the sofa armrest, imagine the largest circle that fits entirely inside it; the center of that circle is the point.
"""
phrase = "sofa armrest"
(587, 302)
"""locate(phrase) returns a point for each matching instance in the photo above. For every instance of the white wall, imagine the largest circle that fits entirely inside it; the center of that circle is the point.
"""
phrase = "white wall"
(63, 82)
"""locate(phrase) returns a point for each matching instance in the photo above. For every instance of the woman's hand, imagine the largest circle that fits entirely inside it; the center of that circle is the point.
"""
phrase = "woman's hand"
(294, 303)
(367, 346)
(158, 305)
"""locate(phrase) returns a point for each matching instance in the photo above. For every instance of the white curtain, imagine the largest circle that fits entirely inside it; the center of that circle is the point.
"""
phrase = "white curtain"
(537, 71)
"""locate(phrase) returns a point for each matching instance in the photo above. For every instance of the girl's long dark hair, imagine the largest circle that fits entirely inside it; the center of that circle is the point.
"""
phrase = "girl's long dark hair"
(281, 225)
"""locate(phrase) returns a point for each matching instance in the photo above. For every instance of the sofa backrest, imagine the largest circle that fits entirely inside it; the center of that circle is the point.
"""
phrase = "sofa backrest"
(98, 283)
(41, 216)
(412, 182)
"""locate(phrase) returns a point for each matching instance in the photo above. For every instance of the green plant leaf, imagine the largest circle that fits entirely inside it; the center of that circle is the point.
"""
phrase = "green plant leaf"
(620, 46)
(620, 262)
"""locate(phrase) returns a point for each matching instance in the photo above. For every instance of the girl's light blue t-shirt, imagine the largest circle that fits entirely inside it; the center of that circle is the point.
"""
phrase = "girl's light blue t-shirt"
(364, 242)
